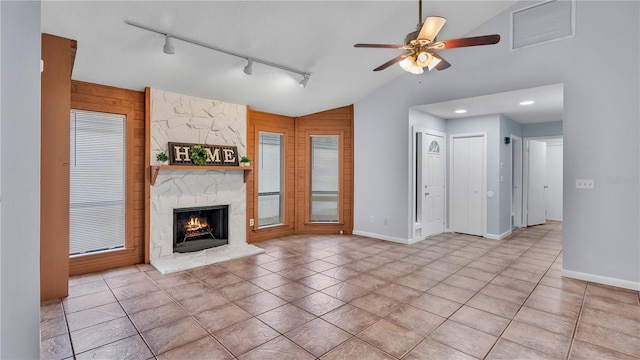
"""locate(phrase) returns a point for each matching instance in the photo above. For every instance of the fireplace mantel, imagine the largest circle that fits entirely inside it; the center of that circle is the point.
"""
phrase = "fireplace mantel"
(155, 169)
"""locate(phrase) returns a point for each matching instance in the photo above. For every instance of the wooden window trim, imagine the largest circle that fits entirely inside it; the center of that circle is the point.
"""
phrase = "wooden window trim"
(271, 228)
(307, 190)
(256, 182)
(129, 244)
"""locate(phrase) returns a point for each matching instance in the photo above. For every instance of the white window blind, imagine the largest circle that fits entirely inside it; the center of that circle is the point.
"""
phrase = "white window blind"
(97, 182)
(270, 179)
(325, 178)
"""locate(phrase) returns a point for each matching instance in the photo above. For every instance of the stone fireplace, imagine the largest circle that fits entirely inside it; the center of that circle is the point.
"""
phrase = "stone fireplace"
(186, 119)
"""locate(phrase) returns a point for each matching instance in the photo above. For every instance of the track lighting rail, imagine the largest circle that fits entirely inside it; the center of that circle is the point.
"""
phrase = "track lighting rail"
(250, 59)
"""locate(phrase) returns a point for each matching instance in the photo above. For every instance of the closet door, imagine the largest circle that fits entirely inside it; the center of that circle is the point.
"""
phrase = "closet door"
(467, 185)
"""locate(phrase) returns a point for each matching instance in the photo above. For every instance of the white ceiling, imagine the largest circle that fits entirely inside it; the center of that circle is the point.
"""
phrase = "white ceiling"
(311, 36)
(547, 106)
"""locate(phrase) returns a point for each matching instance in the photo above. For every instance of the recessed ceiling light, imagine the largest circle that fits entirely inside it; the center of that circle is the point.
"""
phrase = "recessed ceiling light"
(528, 102)
(461, 111)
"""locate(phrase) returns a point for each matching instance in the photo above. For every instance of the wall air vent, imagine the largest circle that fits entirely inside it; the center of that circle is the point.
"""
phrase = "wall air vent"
(542, 23)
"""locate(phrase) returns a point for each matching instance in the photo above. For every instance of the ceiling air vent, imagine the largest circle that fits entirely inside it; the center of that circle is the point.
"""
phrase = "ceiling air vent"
(542, 23)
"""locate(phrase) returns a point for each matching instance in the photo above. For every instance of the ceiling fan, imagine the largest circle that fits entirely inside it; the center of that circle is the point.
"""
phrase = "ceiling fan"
(421, 46)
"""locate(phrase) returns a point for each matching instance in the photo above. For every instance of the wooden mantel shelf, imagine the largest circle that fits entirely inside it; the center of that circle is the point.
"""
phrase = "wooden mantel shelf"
(155, 169)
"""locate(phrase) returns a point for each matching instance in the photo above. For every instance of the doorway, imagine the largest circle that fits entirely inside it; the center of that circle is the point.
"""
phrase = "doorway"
(516, 182)
(429, 187)
(433, 184)
(468, 183)
(542, 198)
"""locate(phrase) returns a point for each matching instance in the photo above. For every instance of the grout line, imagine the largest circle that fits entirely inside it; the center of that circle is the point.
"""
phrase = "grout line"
(575, 328)
(66, 322)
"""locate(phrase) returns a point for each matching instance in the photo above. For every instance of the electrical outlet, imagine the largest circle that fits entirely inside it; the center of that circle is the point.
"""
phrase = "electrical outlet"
(386, 221)
(251, 222)
(371, 219)
(587, 184)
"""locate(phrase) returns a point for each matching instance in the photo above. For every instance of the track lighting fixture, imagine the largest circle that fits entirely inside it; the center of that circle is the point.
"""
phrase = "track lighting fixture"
(249, 68)
(168, 45)
(304, 81)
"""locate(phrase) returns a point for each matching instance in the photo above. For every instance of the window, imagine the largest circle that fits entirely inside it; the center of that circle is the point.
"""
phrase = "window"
(325, 178)
(434, 147)
(270, 179)
(97, 182)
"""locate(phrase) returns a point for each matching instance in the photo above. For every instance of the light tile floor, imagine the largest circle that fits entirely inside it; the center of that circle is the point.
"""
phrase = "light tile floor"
(349, 297)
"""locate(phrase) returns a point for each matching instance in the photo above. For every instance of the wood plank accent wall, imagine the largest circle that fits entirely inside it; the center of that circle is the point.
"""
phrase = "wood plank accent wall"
(297, 181)
(94, 97)
(57, 54)
(257, 122)
(331, 122)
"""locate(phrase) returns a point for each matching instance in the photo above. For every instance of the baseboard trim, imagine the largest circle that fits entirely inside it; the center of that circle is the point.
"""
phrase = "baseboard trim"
(626, 284)
(554, 219)
(385, 237)
(498, 237)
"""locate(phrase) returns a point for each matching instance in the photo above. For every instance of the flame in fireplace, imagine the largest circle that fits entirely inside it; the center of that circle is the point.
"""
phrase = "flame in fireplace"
(196, 227)
(195, 224)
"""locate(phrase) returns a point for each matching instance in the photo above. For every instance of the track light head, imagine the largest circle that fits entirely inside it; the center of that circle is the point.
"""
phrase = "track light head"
(304, 81)
(168, 45)
(249, 68)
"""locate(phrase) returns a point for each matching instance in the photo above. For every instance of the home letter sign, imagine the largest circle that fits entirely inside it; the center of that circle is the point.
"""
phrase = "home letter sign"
(221, 155)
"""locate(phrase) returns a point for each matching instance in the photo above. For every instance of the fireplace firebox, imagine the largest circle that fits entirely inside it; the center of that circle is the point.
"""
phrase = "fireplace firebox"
(199, 228)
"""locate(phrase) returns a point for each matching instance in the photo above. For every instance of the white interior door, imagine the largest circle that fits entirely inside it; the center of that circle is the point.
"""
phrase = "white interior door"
(536, 203)
(433, 180)
(467, 185)
(553, 192)
(516, 181)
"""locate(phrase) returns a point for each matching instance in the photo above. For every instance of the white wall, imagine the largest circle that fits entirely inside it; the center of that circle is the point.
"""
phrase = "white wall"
(20, 180)
(601, 232)
(553, 128)
(553, 193)
(423, 120)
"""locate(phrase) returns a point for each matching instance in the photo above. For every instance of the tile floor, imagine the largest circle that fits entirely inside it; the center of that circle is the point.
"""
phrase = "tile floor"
(349, 297)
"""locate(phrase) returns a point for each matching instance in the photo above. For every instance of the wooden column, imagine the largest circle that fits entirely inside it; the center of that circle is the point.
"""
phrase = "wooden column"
(58, 55)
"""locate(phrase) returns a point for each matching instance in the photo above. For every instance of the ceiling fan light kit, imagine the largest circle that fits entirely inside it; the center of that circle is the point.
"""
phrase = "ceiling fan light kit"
(409, 65)
(421, 46)
(248, 69)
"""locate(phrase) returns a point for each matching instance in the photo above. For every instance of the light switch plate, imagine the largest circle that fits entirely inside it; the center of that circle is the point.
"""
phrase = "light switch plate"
(586, 184)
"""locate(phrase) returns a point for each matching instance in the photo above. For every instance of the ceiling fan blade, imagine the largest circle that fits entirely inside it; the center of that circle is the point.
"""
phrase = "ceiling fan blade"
(384, 46)
(443, 64)
(471, 41)
(391, 62)
(431, 28)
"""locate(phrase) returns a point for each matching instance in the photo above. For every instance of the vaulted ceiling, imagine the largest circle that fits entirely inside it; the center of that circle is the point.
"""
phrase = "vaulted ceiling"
(310, 36)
